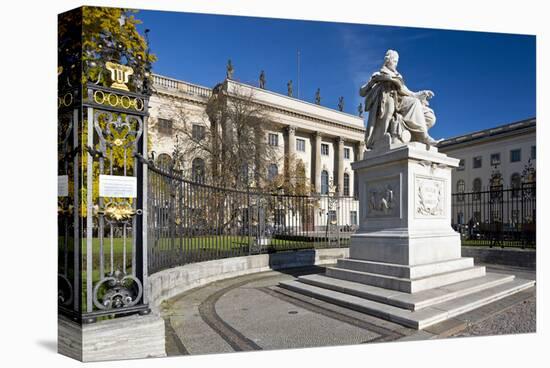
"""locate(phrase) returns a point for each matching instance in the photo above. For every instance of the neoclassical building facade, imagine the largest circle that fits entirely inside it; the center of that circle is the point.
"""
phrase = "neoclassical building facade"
(327, 141)
(506, 148)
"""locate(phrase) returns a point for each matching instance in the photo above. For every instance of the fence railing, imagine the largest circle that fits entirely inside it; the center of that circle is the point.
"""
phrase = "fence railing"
(192, 222)
(497, 216)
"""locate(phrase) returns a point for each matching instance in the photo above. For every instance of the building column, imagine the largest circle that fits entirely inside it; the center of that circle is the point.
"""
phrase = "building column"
(362, 148)
(360, 152)
(316, 151)
(291, 150)
(340, 166)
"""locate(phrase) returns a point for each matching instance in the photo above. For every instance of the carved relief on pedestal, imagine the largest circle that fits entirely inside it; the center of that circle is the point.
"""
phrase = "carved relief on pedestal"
(429, 197)
(384, 197)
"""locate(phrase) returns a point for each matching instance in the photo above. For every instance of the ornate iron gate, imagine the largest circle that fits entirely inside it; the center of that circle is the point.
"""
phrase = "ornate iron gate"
(102, 140)
(115, 127)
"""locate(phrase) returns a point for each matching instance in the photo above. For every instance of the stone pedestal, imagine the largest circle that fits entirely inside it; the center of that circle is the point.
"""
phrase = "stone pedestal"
(405, 223)
(405, 260)
(405, 197)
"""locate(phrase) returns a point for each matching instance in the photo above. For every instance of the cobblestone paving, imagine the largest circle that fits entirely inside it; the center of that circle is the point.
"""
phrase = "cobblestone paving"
(521, 318)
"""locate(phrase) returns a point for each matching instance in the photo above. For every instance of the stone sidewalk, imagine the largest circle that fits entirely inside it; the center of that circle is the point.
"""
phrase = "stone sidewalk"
(252, 313)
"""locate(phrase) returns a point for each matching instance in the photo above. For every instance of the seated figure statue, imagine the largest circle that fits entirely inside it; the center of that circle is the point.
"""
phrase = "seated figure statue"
(396, 112)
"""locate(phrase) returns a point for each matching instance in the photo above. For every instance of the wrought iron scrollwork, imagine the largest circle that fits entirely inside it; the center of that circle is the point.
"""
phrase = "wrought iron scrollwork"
(64, 290)
(118, 290)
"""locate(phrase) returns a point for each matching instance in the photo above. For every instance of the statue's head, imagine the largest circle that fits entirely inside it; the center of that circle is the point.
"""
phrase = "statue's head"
(391, 59)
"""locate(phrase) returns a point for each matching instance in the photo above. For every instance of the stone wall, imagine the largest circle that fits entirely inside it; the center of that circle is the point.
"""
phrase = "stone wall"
(171, 282)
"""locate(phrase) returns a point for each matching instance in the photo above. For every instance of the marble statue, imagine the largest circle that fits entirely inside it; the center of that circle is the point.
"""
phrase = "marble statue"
(360, 110)
(289, 88)
(341, 103)
(229, 70)
(318, 96)
(262, 80)
(395, 112)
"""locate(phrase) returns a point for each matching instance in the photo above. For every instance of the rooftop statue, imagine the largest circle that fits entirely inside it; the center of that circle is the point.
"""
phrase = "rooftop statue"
(262, 80)
(229, 70)
(395, 112)
(318, 96)
(341, 103)
(289, 88)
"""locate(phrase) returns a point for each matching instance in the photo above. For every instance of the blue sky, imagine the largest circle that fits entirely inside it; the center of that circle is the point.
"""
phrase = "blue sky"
(480, 80)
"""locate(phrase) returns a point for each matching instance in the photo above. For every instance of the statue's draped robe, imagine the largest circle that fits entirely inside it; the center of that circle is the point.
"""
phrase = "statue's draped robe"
(417, 117)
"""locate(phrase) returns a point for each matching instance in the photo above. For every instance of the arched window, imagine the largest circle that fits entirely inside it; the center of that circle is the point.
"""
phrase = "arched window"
(197, 170)
(164, 161)
(460, 189)
(515, 184)
(272, 172)
(346, 184)
(476, 186)
(324, 182)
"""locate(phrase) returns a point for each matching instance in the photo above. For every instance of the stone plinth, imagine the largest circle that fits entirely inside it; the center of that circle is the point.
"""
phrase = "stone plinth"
(405, 261)
(130, 337)
(405, 203)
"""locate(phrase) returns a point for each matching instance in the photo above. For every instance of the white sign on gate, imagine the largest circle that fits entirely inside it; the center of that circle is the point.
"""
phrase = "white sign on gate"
(62, 185)
(117, 186)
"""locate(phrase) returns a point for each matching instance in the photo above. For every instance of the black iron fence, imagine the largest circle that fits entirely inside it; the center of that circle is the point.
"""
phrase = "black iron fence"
(497, 216)
(192, 222)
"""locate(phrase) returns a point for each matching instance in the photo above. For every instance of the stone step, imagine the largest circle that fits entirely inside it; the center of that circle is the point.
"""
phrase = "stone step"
(409, 301)
(405, 271)
(407, 285)
(415, 319)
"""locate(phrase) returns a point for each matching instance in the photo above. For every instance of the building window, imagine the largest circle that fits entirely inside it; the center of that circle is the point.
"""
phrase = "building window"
(332, 217)
(476, 185)
(346, 184)
(324, 182)
(477, 217)
(272, 172)
(165, 127)
(197, 132)
(460, 218)
(279, 218)
(244, 173)
(197, 170)
(495, 159)
(324, 149)
(515, 218)
(273, 139)
(515, 155)
(477, 162)
(164, 160)
(460, 189)
(346, 153)
(533, 152)
(353, 218)
(461, 165)
(300, 145)
(515, 184)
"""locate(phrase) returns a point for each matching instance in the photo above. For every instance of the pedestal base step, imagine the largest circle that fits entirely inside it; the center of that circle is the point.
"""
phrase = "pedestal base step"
(408, 285)
(405, 271)
(418, 310)
(409, 301)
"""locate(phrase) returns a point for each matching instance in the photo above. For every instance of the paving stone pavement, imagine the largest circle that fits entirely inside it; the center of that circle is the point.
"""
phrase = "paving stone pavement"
(252, 313)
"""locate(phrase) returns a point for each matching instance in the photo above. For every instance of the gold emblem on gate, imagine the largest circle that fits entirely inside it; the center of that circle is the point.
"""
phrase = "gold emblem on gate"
(119, 75)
